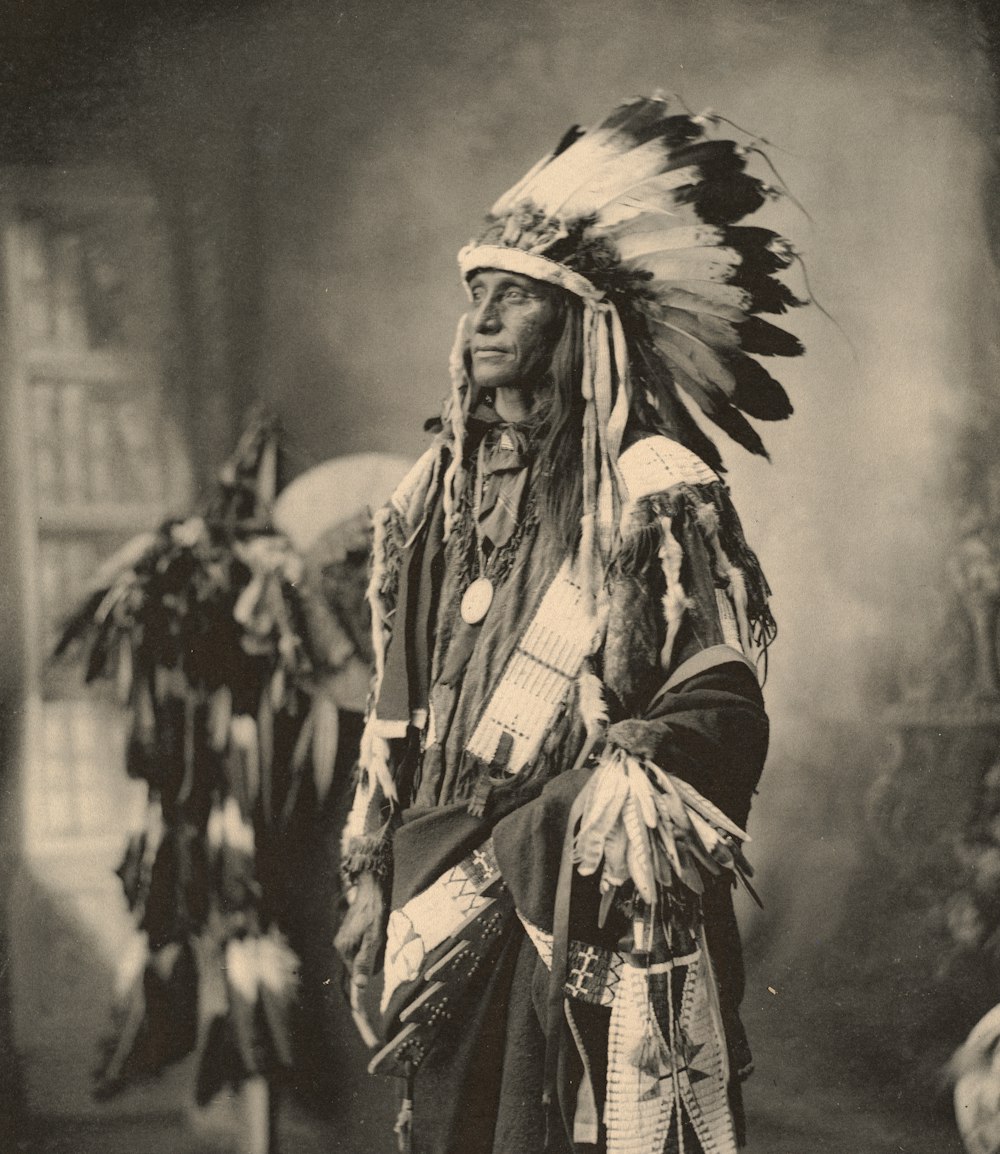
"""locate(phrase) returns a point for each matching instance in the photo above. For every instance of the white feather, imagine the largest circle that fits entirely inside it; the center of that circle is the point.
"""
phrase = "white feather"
(715, 265)
(717, 301)
(593, 712)
(593, 708)
(738, 597)
(642, 791)
(639, 851)
(517, 193)
(659, 194)
(675, 600)
(556, 183)
(615, 865)
(621, 212)
(683, 245)
(553, 184)
(726, 295)
(706, 834)
(378, 766)
(672, 235)
(604, 809)
(617, 176)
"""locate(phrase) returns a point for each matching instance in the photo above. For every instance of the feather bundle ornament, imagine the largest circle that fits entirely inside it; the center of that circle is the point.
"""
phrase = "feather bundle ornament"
(649, 1054)
(654, 829)
(202, 625)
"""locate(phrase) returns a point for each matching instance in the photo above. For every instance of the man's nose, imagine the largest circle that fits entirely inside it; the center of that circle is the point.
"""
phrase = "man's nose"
(487, 317)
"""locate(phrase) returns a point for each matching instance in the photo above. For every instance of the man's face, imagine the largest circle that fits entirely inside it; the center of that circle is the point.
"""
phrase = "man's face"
(511, 327)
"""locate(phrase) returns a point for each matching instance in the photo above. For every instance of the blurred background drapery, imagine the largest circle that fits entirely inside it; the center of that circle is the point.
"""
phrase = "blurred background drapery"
(205, 205)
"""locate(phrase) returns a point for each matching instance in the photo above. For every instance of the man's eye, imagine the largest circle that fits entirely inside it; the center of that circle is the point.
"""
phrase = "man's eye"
(516, 295)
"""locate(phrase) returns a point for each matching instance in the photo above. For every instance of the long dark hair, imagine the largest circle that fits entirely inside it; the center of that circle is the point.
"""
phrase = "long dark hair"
(655, 408)
(560, 414)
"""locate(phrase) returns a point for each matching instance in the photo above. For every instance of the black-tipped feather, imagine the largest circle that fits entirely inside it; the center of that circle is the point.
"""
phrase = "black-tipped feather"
(714, 403)
(732, 422)
(726, 200)
(763, 251)
(715, 159)
(568, 138)
(673, 131)
(655, 376)
(772, 296)
(640, 183)
(766, 340)
(676, 131)
(691, 434)
(713, 331)
(757, 393)
(638, 121)
(633, 116)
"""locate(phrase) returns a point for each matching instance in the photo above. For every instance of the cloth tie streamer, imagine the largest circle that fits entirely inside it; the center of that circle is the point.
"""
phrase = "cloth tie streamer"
(505, 477)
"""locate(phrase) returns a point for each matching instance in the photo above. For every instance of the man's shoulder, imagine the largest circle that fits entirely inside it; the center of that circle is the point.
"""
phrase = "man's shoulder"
(657, 463)
(412, 490)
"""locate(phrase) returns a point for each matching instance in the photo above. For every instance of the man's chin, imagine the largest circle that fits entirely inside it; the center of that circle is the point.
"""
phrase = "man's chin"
(490, 382)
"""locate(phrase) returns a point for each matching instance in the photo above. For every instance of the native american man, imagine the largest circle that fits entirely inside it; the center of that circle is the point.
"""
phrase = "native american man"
(566, 726)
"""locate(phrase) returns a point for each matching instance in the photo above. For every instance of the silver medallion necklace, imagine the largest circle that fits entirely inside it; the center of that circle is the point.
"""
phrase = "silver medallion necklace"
(478, 598)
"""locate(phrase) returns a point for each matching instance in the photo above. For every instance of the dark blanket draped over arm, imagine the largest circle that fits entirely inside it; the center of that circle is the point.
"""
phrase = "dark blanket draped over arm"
(712, 731)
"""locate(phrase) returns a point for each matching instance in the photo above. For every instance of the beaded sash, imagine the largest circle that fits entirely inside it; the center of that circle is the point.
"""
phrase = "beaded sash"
(439, 949)
(537, 678)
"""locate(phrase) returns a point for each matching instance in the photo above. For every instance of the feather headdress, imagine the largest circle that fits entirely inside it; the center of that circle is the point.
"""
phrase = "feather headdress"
(638, 217)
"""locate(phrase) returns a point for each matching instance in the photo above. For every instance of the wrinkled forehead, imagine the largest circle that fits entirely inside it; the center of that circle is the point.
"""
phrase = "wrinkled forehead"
(498, 258)
(502, 278)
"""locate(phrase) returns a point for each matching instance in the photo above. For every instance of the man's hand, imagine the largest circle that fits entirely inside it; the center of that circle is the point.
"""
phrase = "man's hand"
(361, 937)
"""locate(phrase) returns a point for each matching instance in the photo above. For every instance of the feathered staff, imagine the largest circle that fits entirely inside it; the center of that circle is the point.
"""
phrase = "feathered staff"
(217, 653)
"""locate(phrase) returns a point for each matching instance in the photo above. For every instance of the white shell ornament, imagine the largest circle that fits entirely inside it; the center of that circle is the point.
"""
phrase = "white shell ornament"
(476, 600)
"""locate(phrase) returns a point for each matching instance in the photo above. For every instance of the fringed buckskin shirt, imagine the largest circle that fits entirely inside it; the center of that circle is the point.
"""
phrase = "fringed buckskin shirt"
(448, 668)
